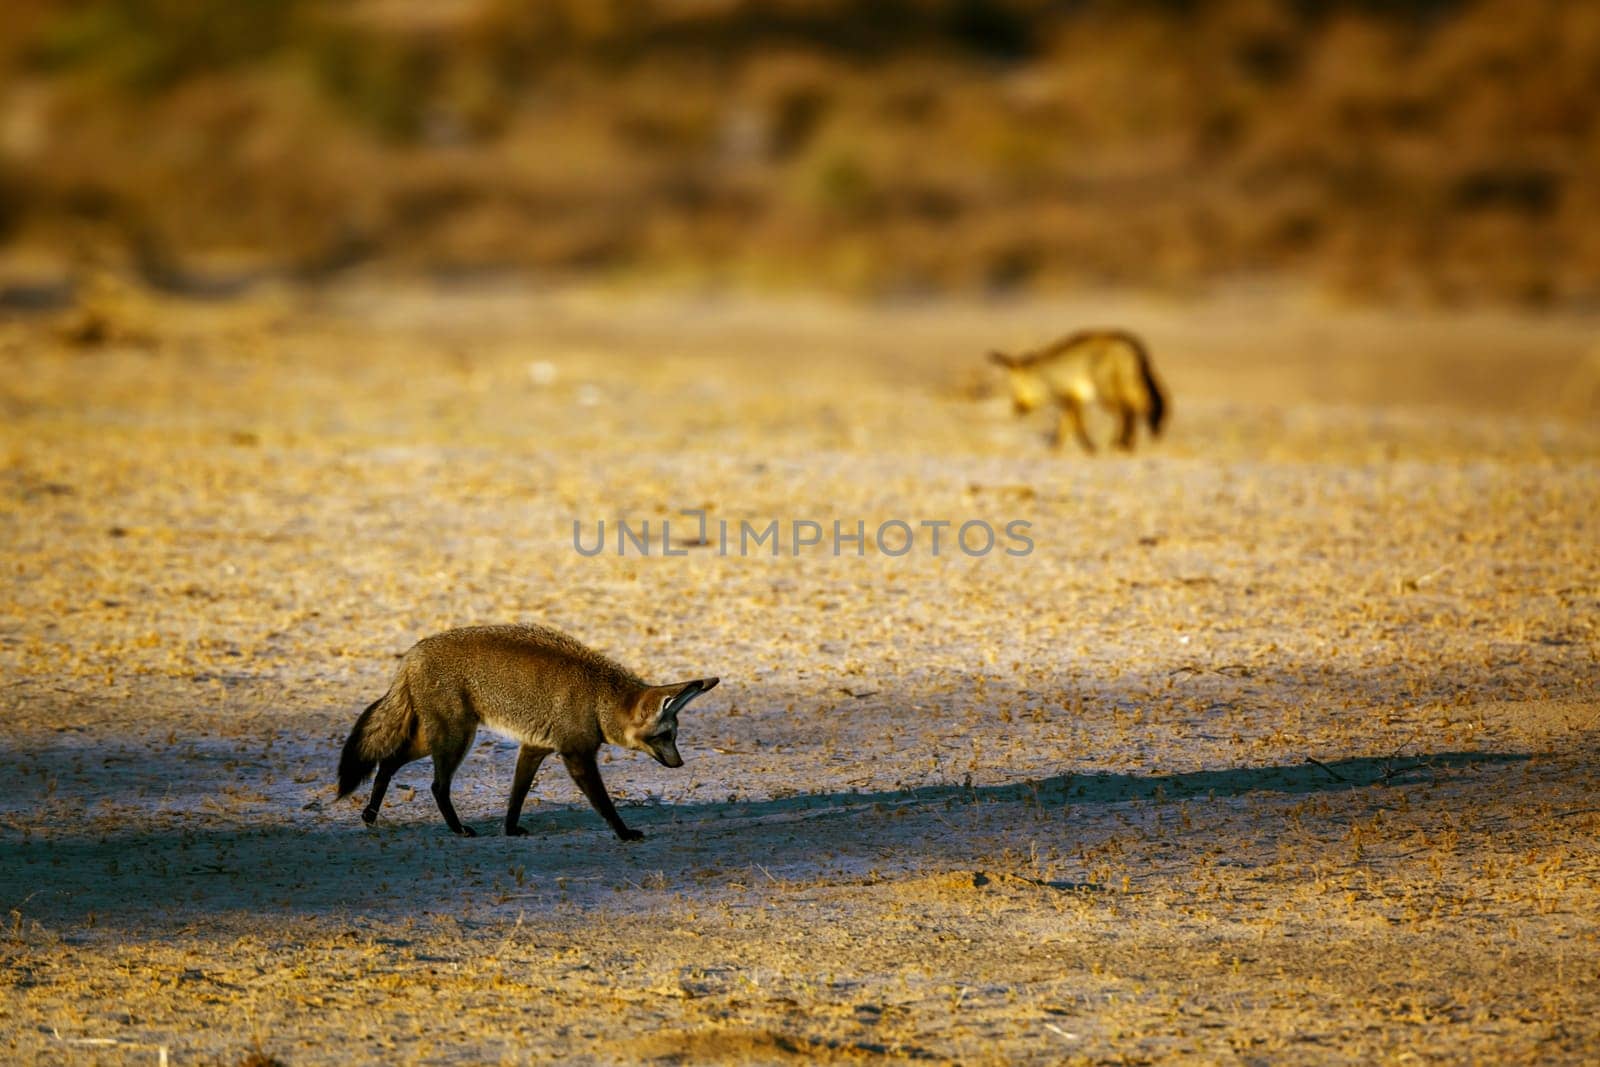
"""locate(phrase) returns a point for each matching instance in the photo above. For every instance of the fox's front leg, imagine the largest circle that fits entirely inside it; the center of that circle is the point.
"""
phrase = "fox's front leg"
(1063, 423)
(1072, 415)
(586, 773)
(528, 760)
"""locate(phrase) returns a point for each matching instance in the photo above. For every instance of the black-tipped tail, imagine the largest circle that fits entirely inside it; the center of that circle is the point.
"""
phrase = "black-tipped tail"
(353, 766)
(1158, 399)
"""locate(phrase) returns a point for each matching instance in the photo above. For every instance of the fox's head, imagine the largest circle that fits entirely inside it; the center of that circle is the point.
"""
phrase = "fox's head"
(1028, 390)
(653, 720)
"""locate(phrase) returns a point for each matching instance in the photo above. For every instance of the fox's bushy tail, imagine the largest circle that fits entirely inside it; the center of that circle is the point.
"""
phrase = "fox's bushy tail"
(1158, 400)
(382, 730)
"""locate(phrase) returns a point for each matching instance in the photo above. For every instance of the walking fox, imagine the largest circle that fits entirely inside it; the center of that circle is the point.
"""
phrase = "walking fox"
(532, 683)
(1110, 367)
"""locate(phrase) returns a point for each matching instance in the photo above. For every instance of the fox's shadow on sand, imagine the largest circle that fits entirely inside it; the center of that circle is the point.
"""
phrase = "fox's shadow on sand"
(326, 862)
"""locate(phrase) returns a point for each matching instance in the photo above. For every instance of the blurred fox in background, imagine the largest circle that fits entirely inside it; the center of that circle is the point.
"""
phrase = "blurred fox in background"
(1108, 367)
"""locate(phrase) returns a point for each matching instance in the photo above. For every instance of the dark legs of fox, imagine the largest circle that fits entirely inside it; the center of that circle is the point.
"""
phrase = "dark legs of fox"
(1071, 415)
(528, 760)
(380, 786)
(1125, 432)
(582, 766)
(586, 773)
(445, 762)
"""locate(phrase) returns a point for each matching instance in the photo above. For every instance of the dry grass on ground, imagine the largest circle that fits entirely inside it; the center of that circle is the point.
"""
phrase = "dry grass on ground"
(1278, 748)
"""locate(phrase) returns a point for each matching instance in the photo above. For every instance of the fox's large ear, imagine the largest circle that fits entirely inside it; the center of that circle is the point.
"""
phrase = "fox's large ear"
(687, 692)
(665, 701)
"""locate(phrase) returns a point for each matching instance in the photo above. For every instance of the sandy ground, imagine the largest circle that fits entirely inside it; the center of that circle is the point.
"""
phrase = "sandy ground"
(1278, 747)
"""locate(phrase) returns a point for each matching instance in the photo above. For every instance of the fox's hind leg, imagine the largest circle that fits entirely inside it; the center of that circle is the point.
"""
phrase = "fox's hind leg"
(448, 753)
(528, 760)
(380, 785)
(1125, 431)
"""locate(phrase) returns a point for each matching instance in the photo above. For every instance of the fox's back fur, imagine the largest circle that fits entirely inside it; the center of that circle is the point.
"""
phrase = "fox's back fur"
(1108, 368)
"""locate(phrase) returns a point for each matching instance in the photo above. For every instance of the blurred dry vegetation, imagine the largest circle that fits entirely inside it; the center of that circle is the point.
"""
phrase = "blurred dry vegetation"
(1411, 150)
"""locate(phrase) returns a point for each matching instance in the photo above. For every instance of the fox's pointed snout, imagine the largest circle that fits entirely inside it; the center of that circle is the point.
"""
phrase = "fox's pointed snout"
(653, 718)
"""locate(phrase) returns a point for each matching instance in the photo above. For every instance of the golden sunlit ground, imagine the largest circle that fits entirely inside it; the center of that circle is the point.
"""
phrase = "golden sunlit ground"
(1278, 747)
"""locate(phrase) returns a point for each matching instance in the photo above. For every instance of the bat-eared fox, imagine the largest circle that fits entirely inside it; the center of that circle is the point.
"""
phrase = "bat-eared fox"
(534, 684)
(1108, 367)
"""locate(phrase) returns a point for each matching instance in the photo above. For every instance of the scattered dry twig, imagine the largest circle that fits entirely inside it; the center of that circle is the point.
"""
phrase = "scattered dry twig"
(1335, 775)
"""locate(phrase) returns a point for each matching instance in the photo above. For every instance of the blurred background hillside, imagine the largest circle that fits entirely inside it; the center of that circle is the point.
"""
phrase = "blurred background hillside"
(1431, 151)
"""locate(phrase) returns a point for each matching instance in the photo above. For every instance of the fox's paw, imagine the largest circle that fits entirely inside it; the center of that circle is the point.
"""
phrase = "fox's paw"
(369, 815)
(516, 831)
(467, 831)
(627, 834)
